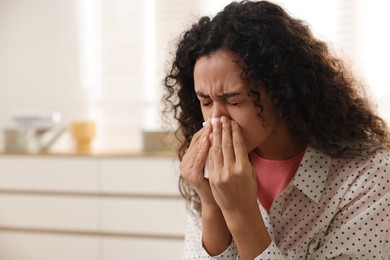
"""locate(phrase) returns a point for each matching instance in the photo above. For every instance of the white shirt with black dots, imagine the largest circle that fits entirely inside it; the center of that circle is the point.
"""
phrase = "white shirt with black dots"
(332, 209)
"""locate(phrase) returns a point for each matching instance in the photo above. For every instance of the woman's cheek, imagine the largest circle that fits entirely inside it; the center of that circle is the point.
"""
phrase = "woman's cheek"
(252, 136)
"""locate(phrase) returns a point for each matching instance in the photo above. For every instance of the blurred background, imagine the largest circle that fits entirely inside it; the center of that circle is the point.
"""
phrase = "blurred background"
(105, 59)
(93, 70)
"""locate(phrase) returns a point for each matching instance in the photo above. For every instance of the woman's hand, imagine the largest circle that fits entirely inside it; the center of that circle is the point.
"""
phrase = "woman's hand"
(234, 186)
(193, 163)
(215, 234)
(232, 176)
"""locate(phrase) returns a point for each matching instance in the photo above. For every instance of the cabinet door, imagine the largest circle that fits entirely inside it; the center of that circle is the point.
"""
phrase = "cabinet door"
(48, 173)
(49, 212)
(125, 249)
(150, 175)
(29, 246)
(144, 216)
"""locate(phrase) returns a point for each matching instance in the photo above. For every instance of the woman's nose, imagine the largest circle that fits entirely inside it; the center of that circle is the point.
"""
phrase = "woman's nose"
(218, 111)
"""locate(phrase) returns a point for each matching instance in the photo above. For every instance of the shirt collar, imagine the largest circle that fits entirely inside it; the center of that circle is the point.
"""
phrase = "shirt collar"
(312, 173)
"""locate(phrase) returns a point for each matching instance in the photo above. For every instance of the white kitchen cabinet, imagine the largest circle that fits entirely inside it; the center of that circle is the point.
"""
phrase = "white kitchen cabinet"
(140, 248)
(48, 173)
(40, 246)
(150, 216)
(45, 211)
(90, 207)
(140, 175)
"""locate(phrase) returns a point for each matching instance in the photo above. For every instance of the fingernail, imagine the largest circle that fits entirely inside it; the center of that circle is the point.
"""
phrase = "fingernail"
(214, 122)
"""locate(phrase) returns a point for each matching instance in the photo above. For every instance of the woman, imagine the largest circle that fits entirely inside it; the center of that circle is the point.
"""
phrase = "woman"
(297, 163)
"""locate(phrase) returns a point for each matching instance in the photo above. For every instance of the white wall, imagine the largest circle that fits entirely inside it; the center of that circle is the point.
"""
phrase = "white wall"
(39, 58)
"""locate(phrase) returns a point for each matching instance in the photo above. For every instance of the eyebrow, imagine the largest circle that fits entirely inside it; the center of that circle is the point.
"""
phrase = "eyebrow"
(223, 95)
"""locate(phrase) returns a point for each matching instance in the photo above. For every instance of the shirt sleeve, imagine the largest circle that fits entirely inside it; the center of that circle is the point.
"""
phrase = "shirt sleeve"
(193, 246)
(272, 252)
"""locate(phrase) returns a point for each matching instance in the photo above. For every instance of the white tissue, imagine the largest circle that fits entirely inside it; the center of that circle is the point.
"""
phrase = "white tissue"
(206, 166)
(213, 121)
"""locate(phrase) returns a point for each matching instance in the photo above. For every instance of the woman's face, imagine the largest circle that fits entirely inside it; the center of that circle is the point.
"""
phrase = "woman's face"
(222, 92)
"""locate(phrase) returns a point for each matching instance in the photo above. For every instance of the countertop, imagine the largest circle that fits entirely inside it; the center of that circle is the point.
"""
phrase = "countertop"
(97, 153)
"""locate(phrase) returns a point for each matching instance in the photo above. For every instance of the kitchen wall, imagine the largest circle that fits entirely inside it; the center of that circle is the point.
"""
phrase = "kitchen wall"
(39, 58)
(50, 61)
(40, 53)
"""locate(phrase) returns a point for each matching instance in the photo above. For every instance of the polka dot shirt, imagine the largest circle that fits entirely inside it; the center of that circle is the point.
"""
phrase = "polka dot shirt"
(332, 209)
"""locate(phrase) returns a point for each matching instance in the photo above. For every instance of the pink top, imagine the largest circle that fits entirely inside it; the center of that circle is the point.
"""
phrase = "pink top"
(273, 176)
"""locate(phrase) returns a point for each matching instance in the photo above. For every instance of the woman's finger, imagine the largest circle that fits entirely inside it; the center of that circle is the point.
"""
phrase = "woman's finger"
(216, 150)
(203, 149)
(194, 145)
(239, 146)
(227, 142)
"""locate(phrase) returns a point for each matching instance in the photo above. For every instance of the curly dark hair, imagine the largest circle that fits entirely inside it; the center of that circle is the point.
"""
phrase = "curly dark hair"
(311, 88)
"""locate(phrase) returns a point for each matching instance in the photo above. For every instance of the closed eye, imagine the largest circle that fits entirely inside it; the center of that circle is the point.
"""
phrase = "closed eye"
(234, 102)
(205, 104)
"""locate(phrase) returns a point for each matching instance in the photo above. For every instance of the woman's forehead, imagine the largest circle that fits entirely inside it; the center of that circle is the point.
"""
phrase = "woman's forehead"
(219, 71)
